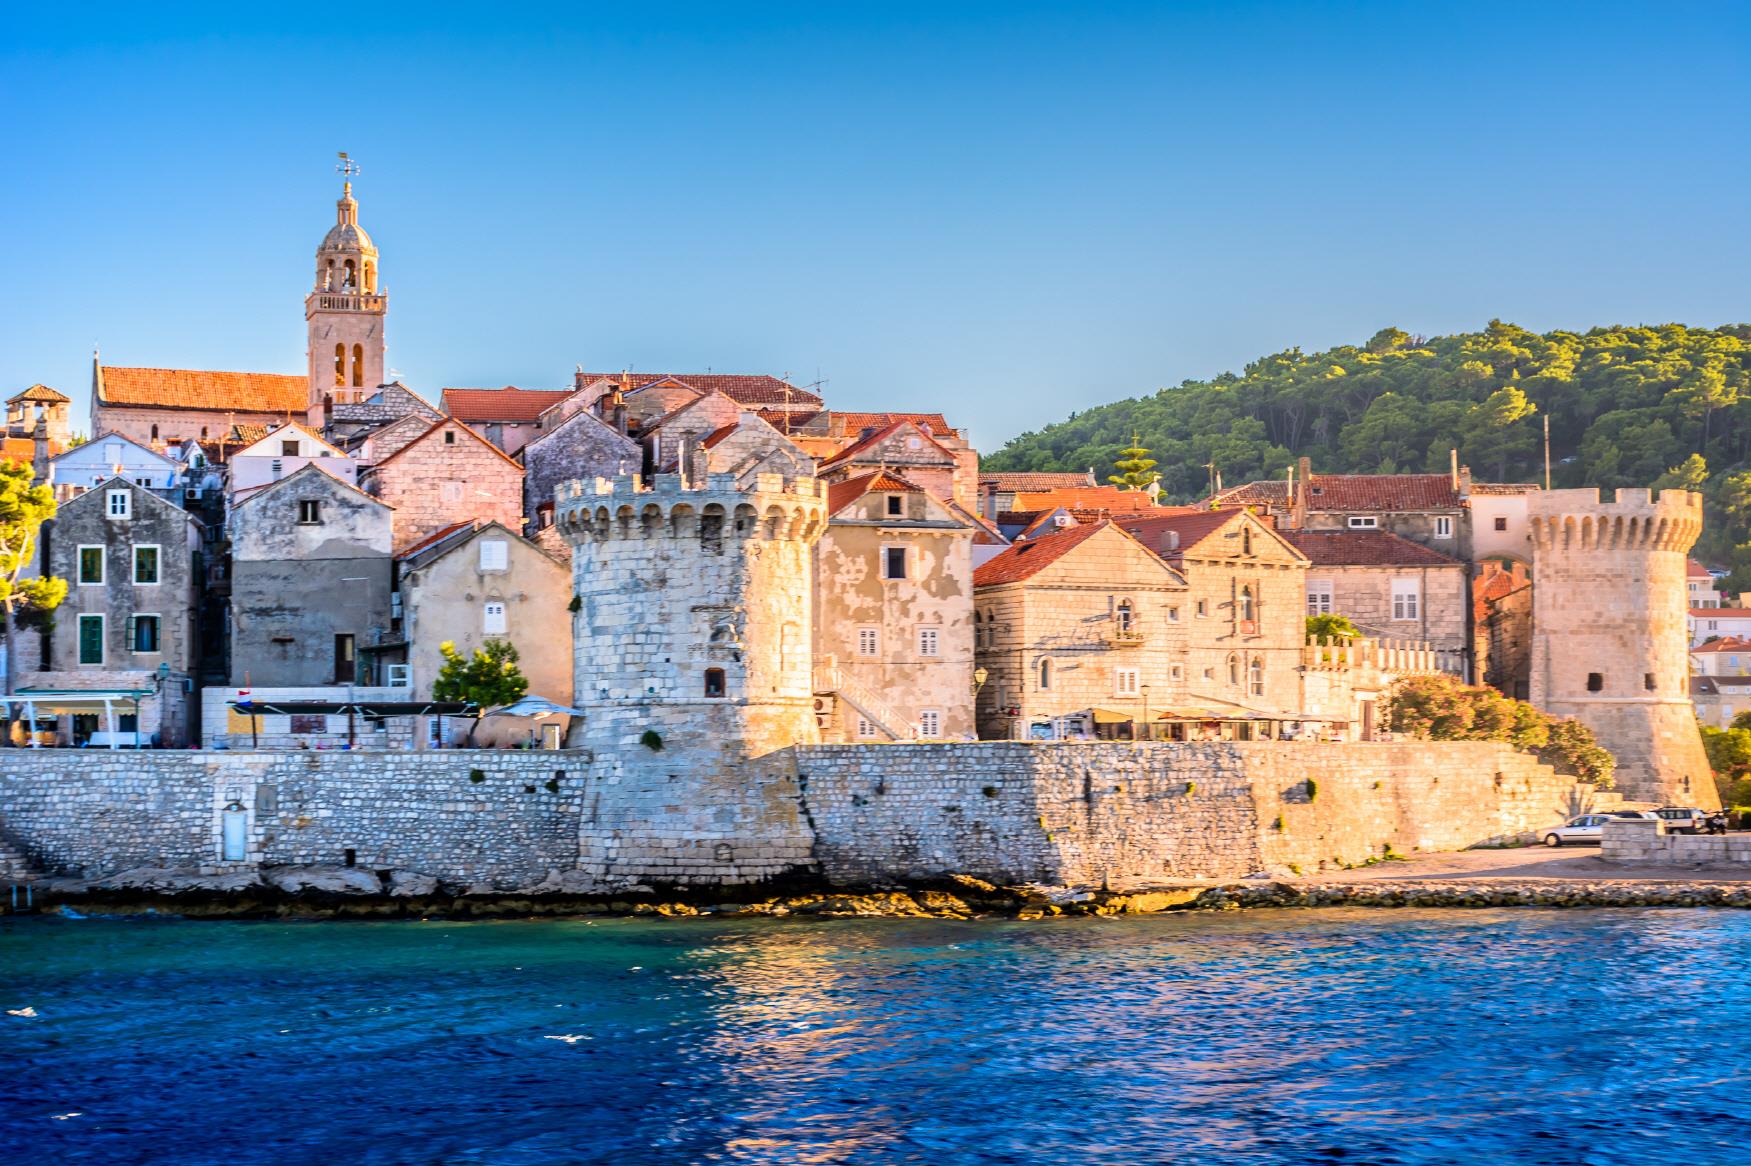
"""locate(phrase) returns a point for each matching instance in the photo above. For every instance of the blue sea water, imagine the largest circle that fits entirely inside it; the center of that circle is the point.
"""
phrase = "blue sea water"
(1269, 1037)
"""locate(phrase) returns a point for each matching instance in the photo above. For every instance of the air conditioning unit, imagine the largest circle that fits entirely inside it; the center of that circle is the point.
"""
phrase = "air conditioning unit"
(399, 675)
(1063, 520)
(825, 706)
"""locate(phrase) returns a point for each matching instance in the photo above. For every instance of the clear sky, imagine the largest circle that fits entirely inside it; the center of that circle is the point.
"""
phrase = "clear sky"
(1004, 211)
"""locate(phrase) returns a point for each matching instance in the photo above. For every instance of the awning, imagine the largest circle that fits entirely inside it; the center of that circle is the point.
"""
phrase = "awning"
(75, 700)
(1218, 710)
(363, 708)
(1109, 717)
(536, 706)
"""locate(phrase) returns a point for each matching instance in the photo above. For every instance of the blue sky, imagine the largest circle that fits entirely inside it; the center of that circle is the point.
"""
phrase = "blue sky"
(1003, 211)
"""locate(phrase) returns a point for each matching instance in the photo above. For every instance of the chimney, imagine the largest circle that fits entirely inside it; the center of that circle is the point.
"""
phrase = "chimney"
(1170, 540)
(39, 461)
(578, 379)
(1298, 495)
(1453, 468)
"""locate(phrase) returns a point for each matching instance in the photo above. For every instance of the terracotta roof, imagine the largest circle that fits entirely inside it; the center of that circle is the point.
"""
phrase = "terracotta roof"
(1728, 612)
(1028, 480)
(986, 530)
(1713, 685)
(1192, 526)
(749, 390)
(852, 424)
(1696, 570)
(1365, 548)
(1388, 492)
(1023, 560)
(711, 440)
(1084, 497)
(18, 449)
(880, 436)
(509, 404)
(1724, 644)
(1267, 493)
(182, 388)
(39, 394)
(842, 494)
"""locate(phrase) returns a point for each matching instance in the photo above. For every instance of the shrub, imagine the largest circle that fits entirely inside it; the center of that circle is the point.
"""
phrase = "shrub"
(1312, 789)
(476, 776)
(652, 740)
(1442, 709)
(576, 604)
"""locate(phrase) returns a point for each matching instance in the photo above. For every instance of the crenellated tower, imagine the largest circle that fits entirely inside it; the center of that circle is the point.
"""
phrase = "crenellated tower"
(344, 314)
(694, 652)
(1610, 632)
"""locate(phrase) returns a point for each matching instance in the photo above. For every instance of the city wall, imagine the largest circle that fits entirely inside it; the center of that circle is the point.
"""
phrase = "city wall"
(1008, 812)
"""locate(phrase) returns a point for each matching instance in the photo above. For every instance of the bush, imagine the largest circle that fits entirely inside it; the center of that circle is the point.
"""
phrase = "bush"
(652, 740)
(1729, 755)
(1440, 708)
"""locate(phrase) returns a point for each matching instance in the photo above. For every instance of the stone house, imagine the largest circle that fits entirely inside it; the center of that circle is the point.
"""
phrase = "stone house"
(906, 449)
(311, 568)
(998, 489)
(22, 410)
(131, 561)
(893, 613)
(448, 474)
(510, 417)
(1390, 588)
(1718, 699)
(1501, 627)
(580, 446)
(284, 451)
(480, 582)
(1079, 631)
(1727, 656)
(1699, 585)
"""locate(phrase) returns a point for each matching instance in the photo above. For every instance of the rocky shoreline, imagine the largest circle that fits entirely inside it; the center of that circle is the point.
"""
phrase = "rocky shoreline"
(351, 893)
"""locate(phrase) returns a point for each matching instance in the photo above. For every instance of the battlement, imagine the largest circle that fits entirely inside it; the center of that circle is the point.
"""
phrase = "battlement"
(1633, 520)
(691, 484)
(633, 506)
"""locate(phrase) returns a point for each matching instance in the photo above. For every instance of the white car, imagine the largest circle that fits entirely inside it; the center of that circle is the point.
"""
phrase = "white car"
(1586, 828)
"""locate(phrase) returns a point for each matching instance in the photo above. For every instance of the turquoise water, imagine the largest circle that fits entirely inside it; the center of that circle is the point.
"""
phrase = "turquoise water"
(1294, 1037)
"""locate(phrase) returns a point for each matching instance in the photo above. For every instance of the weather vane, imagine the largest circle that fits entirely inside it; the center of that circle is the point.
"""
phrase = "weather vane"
(346, 166)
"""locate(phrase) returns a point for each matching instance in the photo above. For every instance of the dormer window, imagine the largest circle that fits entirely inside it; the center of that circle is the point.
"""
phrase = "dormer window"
(896, 506)
(1364, 522)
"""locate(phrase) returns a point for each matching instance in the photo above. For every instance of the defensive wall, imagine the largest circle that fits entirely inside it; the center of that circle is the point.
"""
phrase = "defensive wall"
(1118, 814)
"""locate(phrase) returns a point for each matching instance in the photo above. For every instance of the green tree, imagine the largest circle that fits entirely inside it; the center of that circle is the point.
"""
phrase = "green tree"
(1690, 474)
(487, 679)
(1443, 709)
(1136, 468)
(24, 507)
(1331, 628)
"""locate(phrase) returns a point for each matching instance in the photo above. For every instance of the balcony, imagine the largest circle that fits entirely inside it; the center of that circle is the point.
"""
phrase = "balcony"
(1122, 637)
(351, 302)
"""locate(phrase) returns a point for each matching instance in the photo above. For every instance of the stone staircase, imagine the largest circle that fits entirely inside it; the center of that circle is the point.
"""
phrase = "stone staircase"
(830, 679)
(14, 867)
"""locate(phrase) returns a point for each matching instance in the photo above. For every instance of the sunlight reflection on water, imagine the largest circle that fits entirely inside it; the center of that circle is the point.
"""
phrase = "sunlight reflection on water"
(1259, 1037)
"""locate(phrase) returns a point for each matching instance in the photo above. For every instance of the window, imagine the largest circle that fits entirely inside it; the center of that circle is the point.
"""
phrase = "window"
(869, 641)
(495, 555)
(145, 564)
(91, 639)
(1648, 681)
(930, 723)
(929, 641)
(345, 659)
(310, 510)
(1363, 522)
(1502, 523)
(714, 682)
(1319, 596)
(1124, 615)
(1246, 540)
(1045, 674)
(1173, 614)
(1233, 670)
(1246, 611)
(358, 367)
(1176, 672)
(145, 633)
(449, 437)
(90, 565)
(1406, 594)
(1124, 682)
(1255, 673)
(143, 483)
(308, 724)
(340, 364)
(866, 730)
(1595, 682)
(893, 562)
(1444, 526)
(288, 449)
(896, 505)
(492, 620)
(1203, 609)
(118, 504)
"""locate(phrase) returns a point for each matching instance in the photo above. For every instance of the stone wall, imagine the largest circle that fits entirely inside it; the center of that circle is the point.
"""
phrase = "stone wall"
(1115, 814)
(1633, 842)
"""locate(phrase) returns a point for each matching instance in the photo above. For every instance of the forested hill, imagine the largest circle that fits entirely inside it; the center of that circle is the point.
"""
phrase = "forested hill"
(1662, 406)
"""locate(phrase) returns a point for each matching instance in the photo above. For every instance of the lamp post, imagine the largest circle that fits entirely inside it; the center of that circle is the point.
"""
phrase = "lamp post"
(980, 676)
(1148, 734)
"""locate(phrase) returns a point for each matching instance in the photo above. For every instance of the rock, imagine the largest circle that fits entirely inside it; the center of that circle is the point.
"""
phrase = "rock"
(968, 882)
(942, 903)
(171, 882)
(409, 884)
(334, 880)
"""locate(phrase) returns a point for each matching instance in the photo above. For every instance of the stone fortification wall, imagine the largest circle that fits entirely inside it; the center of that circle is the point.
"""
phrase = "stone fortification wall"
(1009, 812)
(1640, 842)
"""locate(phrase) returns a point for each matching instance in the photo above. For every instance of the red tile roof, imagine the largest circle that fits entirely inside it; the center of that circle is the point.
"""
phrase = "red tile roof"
(1725, 644)
(18, 449)
(1365, 548)
(1268, 493)
(182, 388)
(435, 537)
(1023, 560)
(40, 394)
(1192, 526)
(1714, 612)
(749, 390)
(1696, 570)
(880, 436)
(1384, 492)
(711, 439)
(842, 494)
(509, 404)
(1028, 480)
(852, 424)
(1085, 498)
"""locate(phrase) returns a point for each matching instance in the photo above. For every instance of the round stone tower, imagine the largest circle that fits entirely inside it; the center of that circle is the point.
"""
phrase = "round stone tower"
(1610, 632)
(693, 644)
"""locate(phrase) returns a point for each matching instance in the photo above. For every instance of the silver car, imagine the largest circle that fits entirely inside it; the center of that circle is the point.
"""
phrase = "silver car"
(1586, 828)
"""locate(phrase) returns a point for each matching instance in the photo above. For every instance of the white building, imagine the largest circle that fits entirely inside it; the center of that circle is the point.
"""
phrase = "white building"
(1708, 623)
(110, 455)
(282, 453)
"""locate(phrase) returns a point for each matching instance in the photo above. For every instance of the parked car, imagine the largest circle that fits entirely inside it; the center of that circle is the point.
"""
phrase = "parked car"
(1682, 821)
(1629, 813)
(1586, 828)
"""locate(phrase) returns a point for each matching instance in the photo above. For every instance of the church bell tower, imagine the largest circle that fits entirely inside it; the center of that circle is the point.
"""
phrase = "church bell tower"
(345, 312)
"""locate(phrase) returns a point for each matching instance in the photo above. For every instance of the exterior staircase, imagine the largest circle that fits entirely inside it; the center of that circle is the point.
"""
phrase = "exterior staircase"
(829, 678)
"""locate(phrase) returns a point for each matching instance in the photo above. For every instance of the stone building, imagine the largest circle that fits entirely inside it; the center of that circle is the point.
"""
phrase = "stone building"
(893, 613)
(997, 490)
(1728, 656)
(1619, 661)
(482, 581)
(510, 417)
(1245, 603)
(53, 406)
(311, 573)
(1391, 588)
(1700, 586)
(907, 450)
(446, 475)
(1719, 699)
(131, 560)
(344, 315)
(1078, 630)
(282, 452)
(156, 406)
(1502, 627)
(581, 446)
(1710, 623)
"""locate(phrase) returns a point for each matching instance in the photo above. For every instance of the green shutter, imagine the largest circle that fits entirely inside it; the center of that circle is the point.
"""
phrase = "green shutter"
(91, 639)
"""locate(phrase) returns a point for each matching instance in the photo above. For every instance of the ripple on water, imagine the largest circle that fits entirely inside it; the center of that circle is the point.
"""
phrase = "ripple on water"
(1292, 1037)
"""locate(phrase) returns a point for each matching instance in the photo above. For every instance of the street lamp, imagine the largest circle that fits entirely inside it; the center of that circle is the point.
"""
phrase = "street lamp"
(1148, 734)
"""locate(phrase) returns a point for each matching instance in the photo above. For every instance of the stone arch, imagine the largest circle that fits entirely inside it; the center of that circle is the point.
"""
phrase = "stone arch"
(358, 365)
(650, 521)
(1568, 536)
(743, 527)
(623, 522)
(683, 521)
(349, 276)
(599, 522)
(340, 364)
(711, 529)
(772, 525)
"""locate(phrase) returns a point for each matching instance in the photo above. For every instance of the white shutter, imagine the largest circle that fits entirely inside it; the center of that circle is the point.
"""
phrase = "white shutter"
(493, 619)
(495, 554)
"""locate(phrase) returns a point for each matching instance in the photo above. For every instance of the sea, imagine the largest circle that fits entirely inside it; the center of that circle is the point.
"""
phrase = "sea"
(1281, 1037)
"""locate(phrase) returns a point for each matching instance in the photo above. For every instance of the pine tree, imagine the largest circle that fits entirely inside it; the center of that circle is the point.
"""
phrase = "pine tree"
(1136, 468)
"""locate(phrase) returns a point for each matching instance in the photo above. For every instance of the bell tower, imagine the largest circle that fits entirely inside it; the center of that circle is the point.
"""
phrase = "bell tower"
(344, 313)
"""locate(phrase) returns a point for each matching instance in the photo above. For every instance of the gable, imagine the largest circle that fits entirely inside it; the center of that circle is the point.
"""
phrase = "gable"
(904, 443)
(1112, 559)
(432, 443)
(96, 452)
(659, 399)
(269, 445)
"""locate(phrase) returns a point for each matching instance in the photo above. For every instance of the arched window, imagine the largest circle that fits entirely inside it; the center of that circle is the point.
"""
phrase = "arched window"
(714, 682)
(351, 279)
(1045, 674)
(1125, 615)
(328, 277)
(370, 276)
(203, 431)
(340, 364)
(1246, 540)
(1234, 670)
(1246, 604)
(155, 433)
(1256, 677)
(358, 365)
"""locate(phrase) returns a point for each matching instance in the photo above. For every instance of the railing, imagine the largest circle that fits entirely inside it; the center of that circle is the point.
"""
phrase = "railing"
(1403, 657)
(1120, 637)
(363, 302)
(830, 678)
